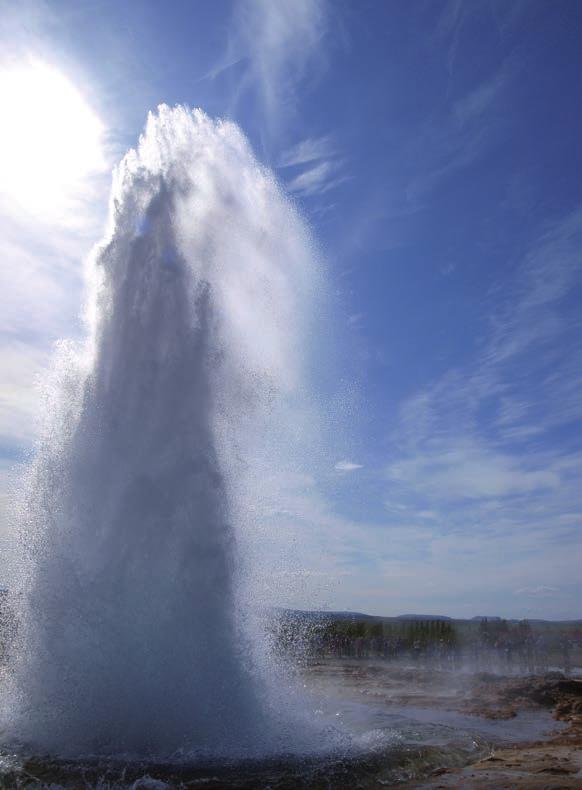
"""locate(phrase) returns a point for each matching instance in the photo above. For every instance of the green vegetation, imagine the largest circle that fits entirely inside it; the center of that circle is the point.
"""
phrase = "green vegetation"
(485, 645)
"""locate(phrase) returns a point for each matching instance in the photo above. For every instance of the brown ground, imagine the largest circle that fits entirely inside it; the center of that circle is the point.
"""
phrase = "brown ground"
(552, 764)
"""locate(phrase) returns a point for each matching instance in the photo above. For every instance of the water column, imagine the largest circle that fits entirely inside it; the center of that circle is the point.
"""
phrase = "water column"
(133, 633)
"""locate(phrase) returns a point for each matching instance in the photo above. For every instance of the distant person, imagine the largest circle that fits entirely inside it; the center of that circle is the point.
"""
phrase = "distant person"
(416, 650)
(566, 657)
(441, 651)
(508, 651)
(499, 648)
(530, 654)
(541, 649)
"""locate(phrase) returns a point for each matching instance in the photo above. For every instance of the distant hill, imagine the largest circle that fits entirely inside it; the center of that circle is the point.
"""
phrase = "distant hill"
(324, 615)
(321, 615)
(530, 620)
(422, 617)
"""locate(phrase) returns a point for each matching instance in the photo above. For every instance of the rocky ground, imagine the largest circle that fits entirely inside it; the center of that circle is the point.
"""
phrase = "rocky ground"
(554, 762)
(512, 712)
(549, 764)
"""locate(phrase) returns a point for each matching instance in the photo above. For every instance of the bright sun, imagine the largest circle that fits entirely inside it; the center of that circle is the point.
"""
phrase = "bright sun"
(50, 138)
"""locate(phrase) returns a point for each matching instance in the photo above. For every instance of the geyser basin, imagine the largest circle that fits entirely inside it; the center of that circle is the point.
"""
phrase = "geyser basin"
(136, 636)
(390, 743)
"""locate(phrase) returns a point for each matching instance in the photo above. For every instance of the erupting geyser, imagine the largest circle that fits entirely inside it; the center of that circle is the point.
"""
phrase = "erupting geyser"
(134, 636)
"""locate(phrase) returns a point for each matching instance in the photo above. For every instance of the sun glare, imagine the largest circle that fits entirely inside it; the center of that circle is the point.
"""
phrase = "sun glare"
(50, 138)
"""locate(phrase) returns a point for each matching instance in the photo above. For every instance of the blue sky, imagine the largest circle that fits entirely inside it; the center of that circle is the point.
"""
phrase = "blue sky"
(434, 147)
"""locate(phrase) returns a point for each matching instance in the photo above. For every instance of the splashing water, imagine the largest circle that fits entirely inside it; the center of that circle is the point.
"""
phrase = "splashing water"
(135, 632)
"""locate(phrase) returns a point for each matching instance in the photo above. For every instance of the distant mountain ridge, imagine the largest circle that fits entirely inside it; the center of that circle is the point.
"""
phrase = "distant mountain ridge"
(422, 617)
(347, 615)
(325, 615)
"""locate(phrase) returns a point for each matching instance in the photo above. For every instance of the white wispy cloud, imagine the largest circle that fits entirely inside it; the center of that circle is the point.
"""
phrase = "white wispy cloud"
(272, 49)
(347, 466)
(419, 554)
(318, 180)
(323, 169)
(536, 592)
(23, 364)
(40, 301)
(308, 150)
(461, 468)
(448, 29)
(57, 158)
(479, 101)
(462, 135)
(222, 67)
(533, 310)
(455, 15)
(478, 448)
(281, 43)
(414, 558)
(529, 366)
(41, 288)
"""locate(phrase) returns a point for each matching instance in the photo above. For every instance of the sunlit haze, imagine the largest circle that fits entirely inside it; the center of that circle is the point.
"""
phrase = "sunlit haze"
(50, 138)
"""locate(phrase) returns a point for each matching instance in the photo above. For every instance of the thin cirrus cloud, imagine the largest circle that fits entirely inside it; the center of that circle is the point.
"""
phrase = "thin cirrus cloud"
(538, 592)
(309, 150)
(318, 180)
(347, 466)
(449, 27)
(459, 468)
(486, 446)
(415, 558)
(323, 169)
(276, 43)
(274, 46)
(490, 449)
(462, 136)
(529, 369)
(478, 102)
